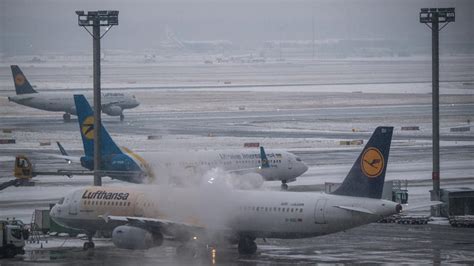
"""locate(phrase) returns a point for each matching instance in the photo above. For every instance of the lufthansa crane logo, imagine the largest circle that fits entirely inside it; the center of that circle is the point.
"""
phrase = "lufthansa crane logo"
(87, 127)
(19, 79)
(372, 162)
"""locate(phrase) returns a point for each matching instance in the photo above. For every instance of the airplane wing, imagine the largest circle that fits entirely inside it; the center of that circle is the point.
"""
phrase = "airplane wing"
(171, 228)
(355, 209)
(110, 103)
(74, 159)
(244, 171)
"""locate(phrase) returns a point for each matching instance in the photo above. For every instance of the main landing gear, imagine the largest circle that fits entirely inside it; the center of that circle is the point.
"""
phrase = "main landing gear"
(89, 244)
(67, 117)
(284, 185)
(247, 246)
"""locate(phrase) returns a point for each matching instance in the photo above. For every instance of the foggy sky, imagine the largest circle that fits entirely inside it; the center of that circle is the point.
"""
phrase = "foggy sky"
(29, 26)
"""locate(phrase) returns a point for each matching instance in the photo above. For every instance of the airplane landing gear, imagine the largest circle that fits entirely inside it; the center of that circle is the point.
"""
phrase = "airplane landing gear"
(284, 185)
(89, 244)
(122, 117)
(66, 117)
(247, 246)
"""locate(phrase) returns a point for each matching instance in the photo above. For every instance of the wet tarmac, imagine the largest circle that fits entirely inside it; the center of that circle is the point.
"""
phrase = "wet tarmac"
(373, 243)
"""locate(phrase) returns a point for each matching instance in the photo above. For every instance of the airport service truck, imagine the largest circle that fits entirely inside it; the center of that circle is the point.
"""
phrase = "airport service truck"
(13, 235)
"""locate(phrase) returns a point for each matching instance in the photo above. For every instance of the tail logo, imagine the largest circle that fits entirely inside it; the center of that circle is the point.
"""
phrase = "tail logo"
(87, 127)
(372, 162)
(19, 79)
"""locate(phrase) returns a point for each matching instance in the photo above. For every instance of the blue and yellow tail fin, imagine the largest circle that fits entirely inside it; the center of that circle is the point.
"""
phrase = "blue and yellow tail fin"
(367, 176)
(22, 86)
(85, 116)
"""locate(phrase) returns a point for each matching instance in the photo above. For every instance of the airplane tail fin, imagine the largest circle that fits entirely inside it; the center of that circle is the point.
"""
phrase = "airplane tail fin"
(85, 116)
(22, 86)
(367, 176)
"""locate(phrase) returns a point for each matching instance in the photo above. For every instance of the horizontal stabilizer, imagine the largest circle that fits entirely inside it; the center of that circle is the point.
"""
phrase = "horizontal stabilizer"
(408, 207)
(355, 209)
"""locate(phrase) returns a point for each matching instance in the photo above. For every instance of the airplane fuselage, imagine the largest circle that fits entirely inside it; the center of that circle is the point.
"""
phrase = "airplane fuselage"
(112, 103)
(270, 214)
(176, 164)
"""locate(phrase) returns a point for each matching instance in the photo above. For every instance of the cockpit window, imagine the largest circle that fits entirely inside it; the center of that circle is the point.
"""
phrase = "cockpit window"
(298, 159)
(61, 200)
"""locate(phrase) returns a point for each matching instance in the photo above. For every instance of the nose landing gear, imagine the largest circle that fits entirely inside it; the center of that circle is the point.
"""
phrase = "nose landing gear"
(284, 185)
(89, 244)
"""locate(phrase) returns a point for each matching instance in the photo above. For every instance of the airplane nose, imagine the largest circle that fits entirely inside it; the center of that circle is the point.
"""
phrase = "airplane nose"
(54, 211)
(304, 168)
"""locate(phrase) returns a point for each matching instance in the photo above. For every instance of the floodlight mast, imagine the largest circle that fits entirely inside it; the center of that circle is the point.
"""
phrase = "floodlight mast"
(97, 19)
(434, 16)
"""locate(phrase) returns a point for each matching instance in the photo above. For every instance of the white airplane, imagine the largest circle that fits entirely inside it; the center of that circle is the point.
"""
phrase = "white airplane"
(179, 166)
(141, 217)
(113, 103)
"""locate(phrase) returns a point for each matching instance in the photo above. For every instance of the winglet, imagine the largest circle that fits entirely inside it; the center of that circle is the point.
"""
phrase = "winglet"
(61, 149)
(63, 152)
(263, 158)
(22, 86)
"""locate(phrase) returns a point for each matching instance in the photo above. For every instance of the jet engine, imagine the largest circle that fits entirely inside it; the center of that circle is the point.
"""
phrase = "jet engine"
(112, 110)
(131, 237)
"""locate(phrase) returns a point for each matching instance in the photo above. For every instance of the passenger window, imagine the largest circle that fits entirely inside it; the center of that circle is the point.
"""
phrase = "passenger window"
(301, 210)
(128, 204)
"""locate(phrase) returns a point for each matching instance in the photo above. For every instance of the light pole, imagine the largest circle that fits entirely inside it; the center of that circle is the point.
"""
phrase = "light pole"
(434, 16)
(97, 19)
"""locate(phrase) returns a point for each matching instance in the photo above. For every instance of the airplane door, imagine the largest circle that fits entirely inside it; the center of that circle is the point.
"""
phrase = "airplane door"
(319, 217)
(290, 164)
(139, 209)
(73, 205)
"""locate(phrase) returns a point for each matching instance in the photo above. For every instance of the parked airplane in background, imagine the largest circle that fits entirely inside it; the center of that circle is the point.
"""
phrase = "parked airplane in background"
(124, 164)
(140, 217)
(113, 103)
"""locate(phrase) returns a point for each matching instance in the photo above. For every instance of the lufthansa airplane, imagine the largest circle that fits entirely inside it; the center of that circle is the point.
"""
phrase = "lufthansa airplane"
(123, 164)
(113, 103)
(141, 217)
